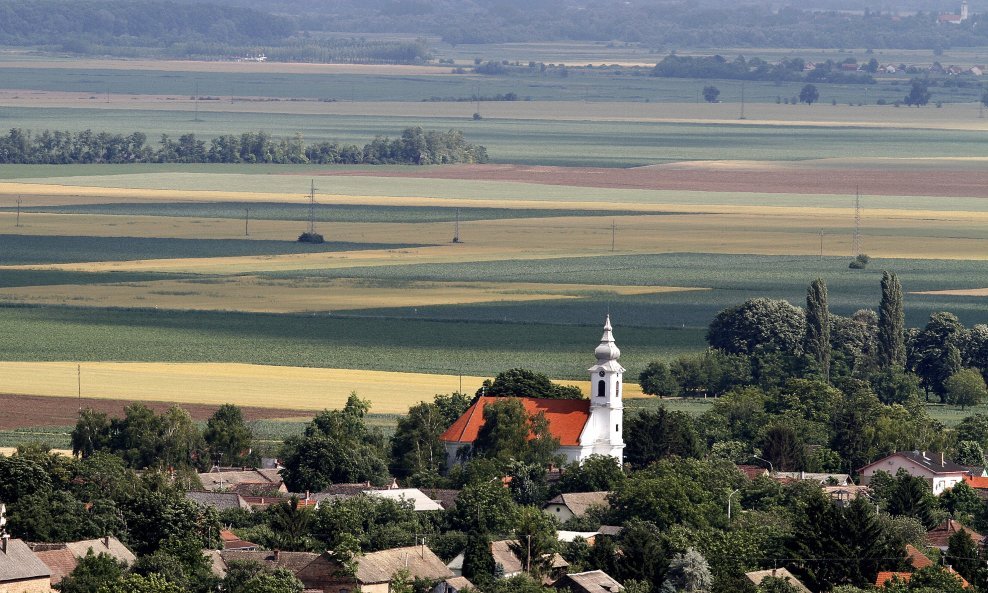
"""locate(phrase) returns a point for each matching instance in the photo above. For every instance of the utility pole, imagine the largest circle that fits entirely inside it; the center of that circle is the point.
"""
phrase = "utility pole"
(856, 237)
(246, 221)
(78, 371)
(742, 101)
(821, 243)
(18, 221)
(456, 231)
(729, 496)
(312, 207)
(196, 99)
(612, 234)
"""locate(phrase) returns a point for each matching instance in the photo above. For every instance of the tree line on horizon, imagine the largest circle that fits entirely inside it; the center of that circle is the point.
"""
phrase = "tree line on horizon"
(413, 147)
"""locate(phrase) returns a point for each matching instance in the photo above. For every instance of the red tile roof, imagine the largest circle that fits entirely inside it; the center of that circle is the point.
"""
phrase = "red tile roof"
(566, 417)
(976, 481)
(916, 558)
(939, 535)
(884, 577)
(61, 562)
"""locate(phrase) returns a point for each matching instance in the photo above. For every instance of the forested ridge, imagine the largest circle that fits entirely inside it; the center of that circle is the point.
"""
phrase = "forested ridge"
(413, 147)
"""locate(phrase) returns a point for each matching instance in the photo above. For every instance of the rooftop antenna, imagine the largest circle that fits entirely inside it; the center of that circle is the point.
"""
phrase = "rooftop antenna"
(856, 237)
(456, 232)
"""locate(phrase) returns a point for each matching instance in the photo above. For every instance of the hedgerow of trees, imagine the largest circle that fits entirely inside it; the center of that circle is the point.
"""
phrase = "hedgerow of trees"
(413, 147)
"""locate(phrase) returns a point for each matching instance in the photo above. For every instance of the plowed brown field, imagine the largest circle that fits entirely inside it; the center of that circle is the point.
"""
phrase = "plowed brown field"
(25, 411)
(716, 177)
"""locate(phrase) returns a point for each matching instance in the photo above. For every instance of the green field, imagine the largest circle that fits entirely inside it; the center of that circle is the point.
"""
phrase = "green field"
(410, 345)
(544, 142)
(324, 212)
(768, 276)
(35, 249)
(579, 84)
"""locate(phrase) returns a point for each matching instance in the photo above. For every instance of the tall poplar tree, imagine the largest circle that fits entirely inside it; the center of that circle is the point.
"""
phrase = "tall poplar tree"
(816, 343)
(891, 324)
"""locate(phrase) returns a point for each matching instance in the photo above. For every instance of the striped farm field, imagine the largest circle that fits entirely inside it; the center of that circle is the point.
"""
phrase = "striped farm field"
(290, 388)
(277, 295)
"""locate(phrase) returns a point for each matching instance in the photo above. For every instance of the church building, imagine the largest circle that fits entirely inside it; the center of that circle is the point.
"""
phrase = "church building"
(583, 426)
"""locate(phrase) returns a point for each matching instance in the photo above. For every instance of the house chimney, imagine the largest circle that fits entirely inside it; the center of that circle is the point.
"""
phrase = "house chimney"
(943, 462)
(3, 542)
(277, 555)
(106, 541)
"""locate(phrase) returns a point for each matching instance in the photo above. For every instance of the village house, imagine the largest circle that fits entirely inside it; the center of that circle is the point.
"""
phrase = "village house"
(267, 479)
(591, 581)
(939, 536)
(584, 427)
(221, 501)
(62, 558)
(323, 572)
(510, 563)
(940, 472)
(575, 504)
(20, 570)
(756, 577)
(419, 500)
(453, 585)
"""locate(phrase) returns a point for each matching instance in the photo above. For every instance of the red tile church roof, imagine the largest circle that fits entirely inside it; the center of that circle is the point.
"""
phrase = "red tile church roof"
(566, 417)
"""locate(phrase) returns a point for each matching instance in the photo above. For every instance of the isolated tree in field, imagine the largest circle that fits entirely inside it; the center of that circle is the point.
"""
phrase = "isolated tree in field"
(228, 437)
(710, 94)
(816, 342)
(965, 388)
(891, 324)
(919, 93)
(809, 94)
(656, 379)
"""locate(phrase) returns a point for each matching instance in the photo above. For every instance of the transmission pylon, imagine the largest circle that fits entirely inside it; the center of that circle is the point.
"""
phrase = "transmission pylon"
(856, 237)
(312, 207)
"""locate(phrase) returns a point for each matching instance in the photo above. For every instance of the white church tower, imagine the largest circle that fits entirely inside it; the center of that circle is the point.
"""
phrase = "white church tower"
(604, 433)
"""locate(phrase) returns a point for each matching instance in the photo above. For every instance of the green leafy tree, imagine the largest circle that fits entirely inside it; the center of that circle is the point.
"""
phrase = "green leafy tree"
(228, 438)
(159, 513)
(891, 324)
(895, 386)
(336, 447)
(809, 94)
(974, 348)
(526, 383)
(651, 436)
(20, 476)
(291, 524)
(758, 322)
(710, 94)
(919, 93)
(597, 473)
(772, 584)
(510, 433)
(965, 388)
(484, 507)
(784, 448)
(478, 562)
(135, 583)
(644, 554)
(969, 453)
(51, 517)
(535, 540)
(816, 343)
(688, 573)
(371, 522)
(91, 433)
(910, 496)
(935, 578)
(962, 502)
(452, 405)
(416, 450)
(656, 379)
(854, 435)
(92, 573)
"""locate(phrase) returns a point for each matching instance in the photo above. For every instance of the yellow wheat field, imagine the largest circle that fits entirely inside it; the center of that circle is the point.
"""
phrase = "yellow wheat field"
(243, 384)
